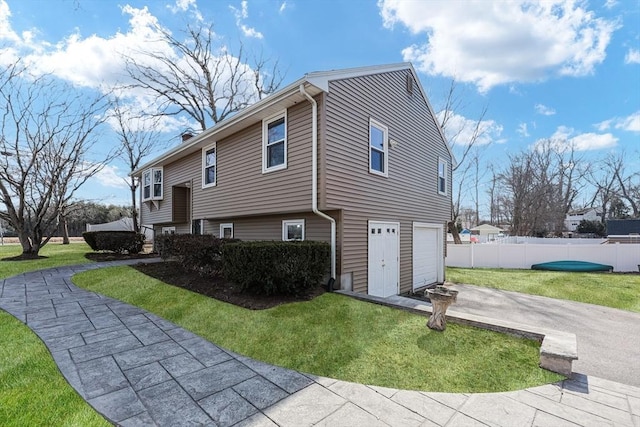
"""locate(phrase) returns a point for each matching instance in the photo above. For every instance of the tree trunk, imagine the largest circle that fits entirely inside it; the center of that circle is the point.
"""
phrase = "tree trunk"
(451, 225)
(29, 249)
(65, 231)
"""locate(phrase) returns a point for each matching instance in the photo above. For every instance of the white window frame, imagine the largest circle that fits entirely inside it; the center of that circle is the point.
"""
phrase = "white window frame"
(265, 142)
(228, 225)
(205, 166)
(443, 166)
(385, 147)
(151, 172)
(285, 226)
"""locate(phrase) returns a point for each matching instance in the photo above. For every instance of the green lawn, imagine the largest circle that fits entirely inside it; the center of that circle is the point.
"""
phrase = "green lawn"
(340, 337)
(32, 390)
(608, 289)
(56, 255)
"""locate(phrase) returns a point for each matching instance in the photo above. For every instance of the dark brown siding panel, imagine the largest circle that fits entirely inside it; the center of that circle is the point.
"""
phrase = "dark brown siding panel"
(409, 193)
(180, 200)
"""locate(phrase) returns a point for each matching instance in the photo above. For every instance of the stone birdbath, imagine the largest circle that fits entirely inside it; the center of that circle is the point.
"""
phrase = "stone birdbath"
(441, 298)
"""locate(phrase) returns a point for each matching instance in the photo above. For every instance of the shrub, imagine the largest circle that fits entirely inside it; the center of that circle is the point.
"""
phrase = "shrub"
(115, 241)
(199, 253)
(90, 238)
(276, 267)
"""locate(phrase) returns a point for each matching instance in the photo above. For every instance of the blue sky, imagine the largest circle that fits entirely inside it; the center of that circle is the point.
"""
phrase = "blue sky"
(568, 70)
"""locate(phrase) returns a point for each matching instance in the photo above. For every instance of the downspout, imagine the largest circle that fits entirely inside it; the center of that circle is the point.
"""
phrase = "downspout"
(314, 183)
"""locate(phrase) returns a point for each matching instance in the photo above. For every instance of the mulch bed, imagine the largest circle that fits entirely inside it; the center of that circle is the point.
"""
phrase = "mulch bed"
(217, 287)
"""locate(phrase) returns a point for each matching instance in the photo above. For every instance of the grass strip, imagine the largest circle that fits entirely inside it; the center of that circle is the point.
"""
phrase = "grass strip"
(613, 290)
(32, 390)
(55, 254)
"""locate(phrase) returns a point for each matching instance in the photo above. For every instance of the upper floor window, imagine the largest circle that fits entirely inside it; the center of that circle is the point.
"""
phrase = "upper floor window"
(378, 148)
(442, 176)
(209, 166)
(292, 229)
(274, 143)
(152, 184)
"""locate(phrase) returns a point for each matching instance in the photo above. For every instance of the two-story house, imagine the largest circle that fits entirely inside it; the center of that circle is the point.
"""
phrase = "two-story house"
(353, 157)
(573, 218)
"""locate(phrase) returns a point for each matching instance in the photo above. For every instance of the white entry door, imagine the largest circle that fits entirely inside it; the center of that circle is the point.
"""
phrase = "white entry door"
(384, 245)
(427, 254)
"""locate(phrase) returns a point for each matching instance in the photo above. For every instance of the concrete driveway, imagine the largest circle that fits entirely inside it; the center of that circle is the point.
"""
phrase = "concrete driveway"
(608, 339)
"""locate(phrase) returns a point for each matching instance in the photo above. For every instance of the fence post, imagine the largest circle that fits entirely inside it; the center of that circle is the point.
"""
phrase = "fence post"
(472, 256)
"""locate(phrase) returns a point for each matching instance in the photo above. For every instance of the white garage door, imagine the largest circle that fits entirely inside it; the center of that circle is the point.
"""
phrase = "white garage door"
(427, 254)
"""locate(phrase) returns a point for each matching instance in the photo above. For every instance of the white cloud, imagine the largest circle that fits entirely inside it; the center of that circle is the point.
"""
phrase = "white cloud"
(181, 5)
(494, 43)
(242, 14)
(522, 130)
(460, 130)
(565, 137)
(631, 123)
(109, 177)
(544, 110)
(610, 4)
(283, 6)
(604, 125)
(632, 57)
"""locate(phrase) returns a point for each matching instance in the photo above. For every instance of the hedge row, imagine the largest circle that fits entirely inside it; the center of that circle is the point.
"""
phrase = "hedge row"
(199, 253)
(115, 241)
(276, 267)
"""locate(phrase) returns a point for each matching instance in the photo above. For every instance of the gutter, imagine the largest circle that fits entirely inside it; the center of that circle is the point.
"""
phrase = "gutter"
(314, 183)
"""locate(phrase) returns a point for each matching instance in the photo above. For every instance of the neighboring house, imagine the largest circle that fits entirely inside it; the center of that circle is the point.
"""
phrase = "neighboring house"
(487, 233)
(353, 157)
(573, 218)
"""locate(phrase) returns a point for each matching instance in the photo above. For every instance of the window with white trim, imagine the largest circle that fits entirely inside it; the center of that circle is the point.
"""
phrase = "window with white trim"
(226, 230)
(209, 163)
(274, 143)
(378, 148)
(442, 176)
(152, 184)
(292, 230)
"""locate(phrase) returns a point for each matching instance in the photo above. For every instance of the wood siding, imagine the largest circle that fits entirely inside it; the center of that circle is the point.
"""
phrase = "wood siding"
(178, 173)
(270, 227)
(241, 188)
(410, 191)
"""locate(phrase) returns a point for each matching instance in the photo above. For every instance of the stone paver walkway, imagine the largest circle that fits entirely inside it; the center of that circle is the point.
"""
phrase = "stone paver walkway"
(138, 369)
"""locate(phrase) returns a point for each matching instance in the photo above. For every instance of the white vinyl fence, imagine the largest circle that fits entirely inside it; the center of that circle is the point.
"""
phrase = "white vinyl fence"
(623, 257)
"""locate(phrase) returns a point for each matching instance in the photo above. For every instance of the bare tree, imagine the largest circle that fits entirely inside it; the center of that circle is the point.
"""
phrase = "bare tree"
(541, 185)
(460, 136)
(614, 185)
(200, 79)
(47, 131)
(138, 139)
